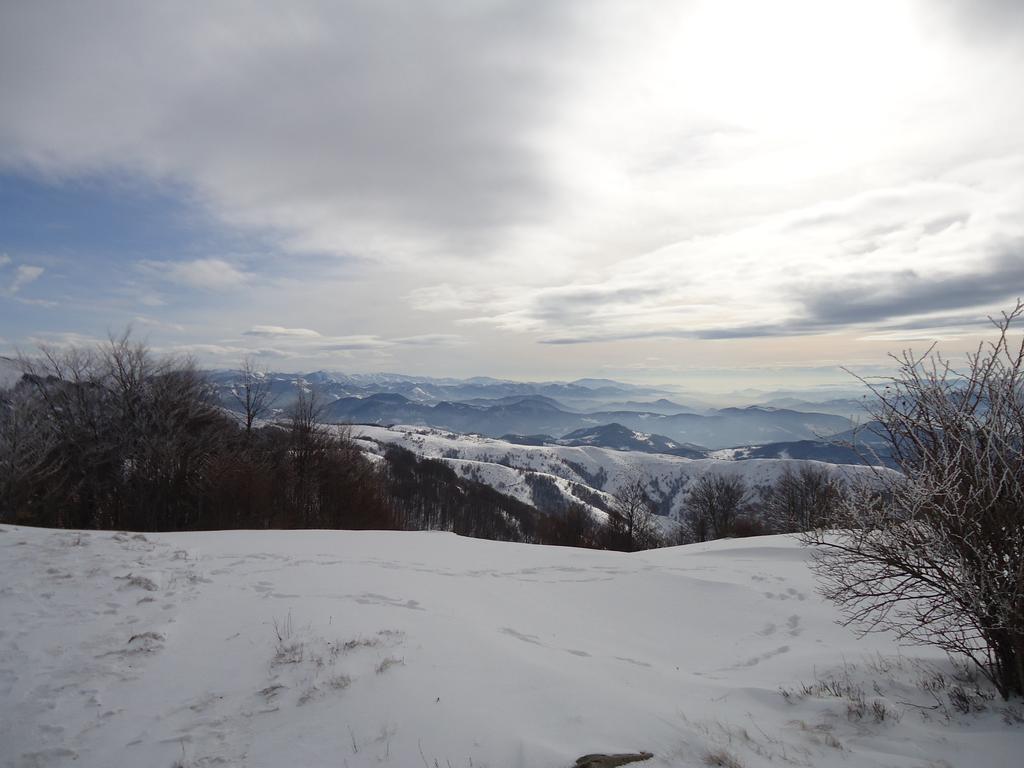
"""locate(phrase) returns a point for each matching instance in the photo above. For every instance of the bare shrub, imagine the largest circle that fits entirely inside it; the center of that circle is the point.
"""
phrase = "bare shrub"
(388, 663)
(720, 758)
(287, 649)
(937, 555)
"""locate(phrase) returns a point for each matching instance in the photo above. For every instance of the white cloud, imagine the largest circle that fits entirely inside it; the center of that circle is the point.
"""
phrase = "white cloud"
(23, 275)
(432, 340)
(445, 298)
(153, 322)
(205, 274)
(277, 330)
(539, 171)
(64, 339)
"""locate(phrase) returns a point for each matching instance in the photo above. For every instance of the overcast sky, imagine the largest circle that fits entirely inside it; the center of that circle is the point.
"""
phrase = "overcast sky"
(707, 193)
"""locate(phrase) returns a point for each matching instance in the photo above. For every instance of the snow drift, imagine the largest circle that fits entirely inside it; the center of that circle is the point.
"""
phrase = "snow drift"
(333, 648)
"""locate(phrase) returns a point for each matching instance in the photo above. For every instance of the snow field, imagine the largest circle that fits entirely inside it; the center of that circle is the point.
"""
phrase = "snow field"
(336, 648)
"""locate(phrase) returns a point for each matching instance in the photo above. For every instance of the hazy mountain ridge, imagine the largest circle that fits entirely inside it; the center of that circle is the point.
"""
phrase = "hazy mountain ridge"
(621, 438)
(425, 389)
(494, 407)
(853, 447)
(721, 429)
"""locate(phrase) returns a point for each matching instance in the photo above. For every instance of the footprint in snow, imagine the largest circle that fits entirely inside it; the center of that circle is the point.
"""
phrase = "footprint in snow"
(753, 661)
(793, 624)
(369, 598)
(632, 661)
(532, 639)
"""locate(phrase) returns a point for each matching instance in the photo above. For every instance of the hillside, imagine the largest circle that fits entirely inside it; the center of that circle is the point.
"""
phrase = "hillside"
(319, 648)
(580, 470)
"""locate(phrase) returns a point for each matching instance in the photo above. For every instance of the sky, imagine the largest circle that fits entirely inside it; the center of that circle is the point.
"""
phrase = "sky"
(712, 194)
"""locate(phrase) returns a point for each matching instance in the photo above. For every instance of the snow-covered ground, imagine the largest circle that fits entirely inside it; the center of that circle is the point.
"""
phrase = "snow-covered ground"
(317, 648)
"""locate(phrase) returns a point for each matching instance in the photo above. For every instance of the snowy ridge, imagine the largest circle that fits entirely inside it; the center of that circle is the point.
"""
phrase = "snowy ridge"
(336, 648)
(602, 469)
(513, 482)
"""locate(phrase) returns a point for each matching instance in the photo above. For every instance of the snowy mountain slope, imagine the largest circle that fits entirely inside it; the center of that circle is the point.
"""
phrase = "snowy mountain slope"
(816, 450)
(853, 447)
(602, 469)
(516, 483)
(332, 648)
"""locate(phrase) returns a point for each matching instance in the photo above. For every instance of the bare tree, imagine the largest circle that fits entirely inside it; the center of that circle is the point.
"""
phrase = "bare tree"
(631, 519)
(121, 438)
(65, 386)
(113, 436)
(252, 393)
(801, 500)
(25, 445)
(714, 505)
(937, 555)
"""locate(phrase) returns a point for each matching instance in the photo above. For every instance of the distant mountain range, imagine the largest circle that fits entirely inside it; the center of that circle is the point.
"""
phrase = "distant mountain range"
(582, 394)
(562, 410)
(850, 449)
(623, 438)
(533, 416)
(851, 408)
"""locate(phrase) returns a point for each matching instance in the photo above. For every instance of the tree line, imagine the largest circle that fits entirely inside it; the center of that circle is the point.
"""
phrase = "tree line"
(721, 506)
(115, 437)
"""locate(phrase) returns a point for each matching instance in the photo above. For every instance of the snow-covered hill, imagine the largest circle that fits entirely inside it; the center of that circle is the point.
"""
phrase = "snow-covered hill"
(317, 648)
(507, 466)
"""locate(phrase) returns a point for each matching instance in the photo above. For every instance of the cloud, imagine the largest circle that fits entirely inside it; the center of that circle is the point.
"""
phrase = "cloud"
(432, 340)
(880, 297)
(204, 274)
(219, 353)
(504, 173)
(802, 272)
(23, 275)
(277, 330)
(350, 343)
(327, 122)
(153, 322)
(63, 339)
(310, 344)
(984, 21)
(447, 298)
